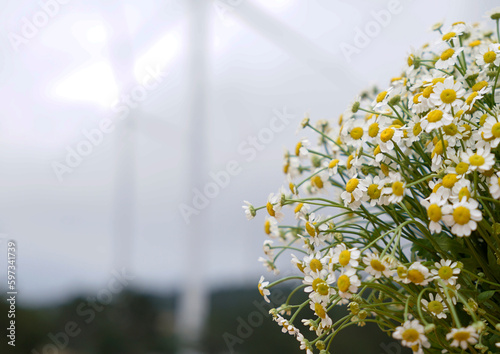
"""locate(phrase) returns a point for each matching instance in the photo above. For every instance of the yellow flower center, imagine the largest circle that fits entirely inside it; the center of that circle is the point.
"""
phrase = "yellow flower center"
(445, 272)
(261, 290)
(373, 130)
(316, 283)
(377, 150)
(320, 311)
(474, 43)
(333, 163)
(410, 335)
(387, 134)
(323, 288)
(315, 265)
(349, 160)
(343, 283)
(381, 96)
(427, 91)
(449, 180)
(471, 97)
(410, 60)
(449, 35)
(297, 148)
(344, 258)
(377, 265)
(467, 132)
(447, 54)
(398, 188)
(317, 182)
(385, 169)
(267, 227)
(435, 116)
(464, 192)
(416, 98)
(448, 96)
(435, 307)
(357, 133)
(311, 230)
(461, 335)
(298, 208)
(434, 212)
(402, 272)
(374, 191)
(461, 168)
(480, 85)
(417, 129)
(495, 130)
(416, 276)
(450, 129)
(436, 187)
(351, 185)
(270, 209)
(461, 215)
(476, 160)
(489, 57)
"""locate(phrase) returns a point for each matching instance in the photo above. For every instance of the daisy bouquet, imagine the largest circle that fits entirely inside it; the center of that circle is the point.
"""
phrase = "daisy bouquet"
(394, 210)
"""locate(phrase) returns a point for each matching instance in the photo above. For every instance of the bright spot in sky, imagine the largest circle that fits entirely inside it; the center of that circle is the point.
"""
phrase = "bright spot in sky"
(97, 34)
(94, 83)
(157, 57)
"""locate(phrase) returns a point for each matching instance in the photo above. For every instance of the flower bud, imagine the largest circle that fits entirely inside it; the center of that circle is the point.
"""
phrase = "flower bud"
(354, 307)
(479, 326)
(430, 328)
(395, 100)
(320, 345)
(355, 107)
(362, 314)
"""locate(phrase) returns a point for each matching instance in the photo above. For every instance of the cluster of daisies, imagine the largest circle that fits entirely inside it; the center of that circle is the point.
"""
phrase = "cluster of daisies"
(396, 208)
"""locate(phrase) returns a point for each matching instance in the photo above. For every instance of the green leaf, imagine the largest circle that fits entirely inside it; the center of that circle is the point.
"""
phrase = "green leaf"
(485, 295)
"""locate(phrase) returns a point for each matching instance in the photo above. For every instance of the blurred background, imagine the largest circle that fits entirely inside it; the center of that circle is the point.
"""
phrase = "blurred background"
(131, 133)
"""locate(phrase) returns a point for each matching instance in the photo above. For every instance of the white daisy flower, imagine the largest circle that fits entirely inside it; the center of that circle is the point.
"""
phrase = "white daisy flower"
(462, 337)
(436, 208)
(446, 95)
(375, 188)
(488, 55)
(494, 184)
(462, 189)
(333, 166)
(388, 137)
(347, 284)
(435, 119)
(249, 210)
(318, 285)
(271, 227)
(344, 256)
(482, 159)
(263, 290)
(447, 271)
(418, 274)
(448, 57)
(320, 310)
(355, 193)
(411, 334)
(490, 131)
(464, 217)
(273, 206)
(396, 191)
(435, 306)
(377, 267)
(301, 149)
(315, 263)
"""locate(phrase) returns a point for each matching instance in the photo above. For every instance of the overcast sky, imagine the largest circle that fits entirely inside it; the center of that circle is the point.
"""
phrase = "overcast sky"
(97, 125)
